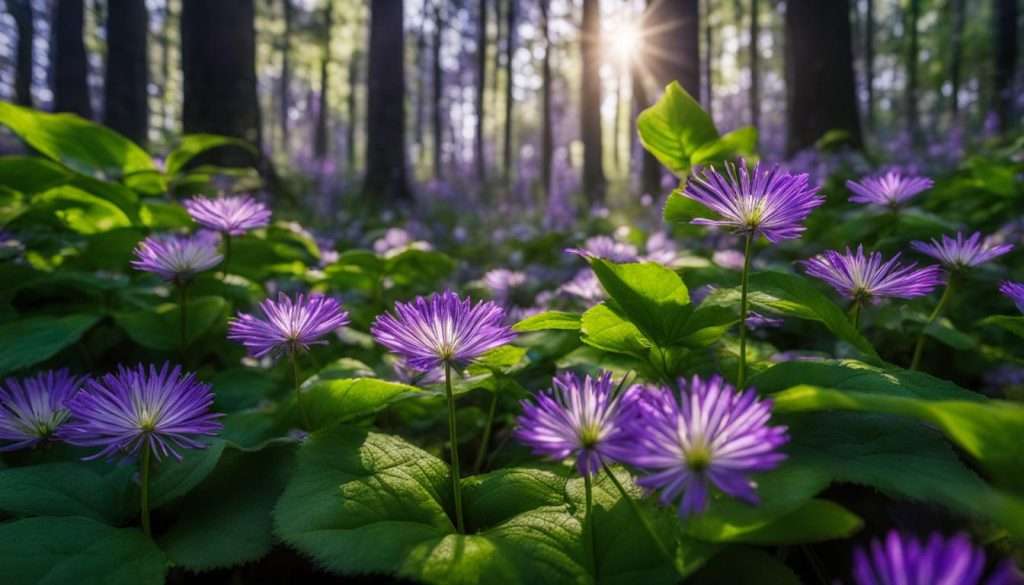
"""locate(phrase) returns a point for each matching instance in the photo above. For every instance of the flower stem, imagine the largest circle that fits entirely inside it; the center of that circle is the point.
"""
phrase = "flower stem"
(298, 390)
(855, 313)
(943, 301)
(453, 438)
(640, 515)
(183, 311)
(588, 522)
(144, 493)
(482, 452)
(741, 375)
(227, 254)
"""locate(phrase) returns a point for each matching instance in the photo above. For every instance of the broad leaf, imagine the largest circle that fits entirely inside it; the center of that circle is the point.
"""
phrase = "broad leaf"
(159, 328)
(651, 296)
(549, 320)
(172, 479)
(331, 401)
(63, 489)
(1013, 324)
(192, 145)
(27, 342)
(741, 142)
(675, 128)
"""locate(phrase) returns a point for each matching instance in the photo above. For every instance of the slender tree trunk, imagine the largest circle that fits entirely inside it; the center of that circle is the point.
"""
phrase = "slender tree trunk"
(165, 69)
(218, 58)
(650, 168)
(755, 65)
(286, 73)
(913, 116)
(21, 12)
(1005, 15)
(869, 62)
(819, 73)
(351, 109)
(386, 174)
(481, 85)
(125, 95)
(70, 64)
(437, 80)
(547, 145)
(709, 49)
(510, 50)
(320, 141)
(499, 23)
(956, 58)
(594, 182)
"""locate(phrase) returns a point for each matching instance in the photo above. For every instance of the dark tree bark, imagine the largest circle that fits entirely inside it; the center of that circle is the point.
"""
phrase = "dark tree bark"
(819, 73)
(125, 98)
(437, 90)
(218, 52)
(286, 71)
(323, 114)
(547, 143)
(499, 23)
(351, 108)
(1006, 15)
(956, 58)
(386, 177)
(913, 116)
(21, 12)
(650, 168)
(70, 64)
(755, 65)
(165, 69)
(510, 50)
(869, 61)
(709, 60)
(594, 182)
(481, 85)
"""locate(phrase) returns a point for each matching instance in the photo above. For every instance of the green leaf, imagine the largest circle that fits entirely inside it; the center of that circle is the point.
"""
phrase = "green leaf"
(499, 359)
(559, 320)
(27, 342)
(741, 142)
(674, 128)
(494, 497)
(227, 521)
(79, 210)
(604, 328)
(746, 566)
(332, 401)
(62, 489)
(681, 209)
(815, 521)
(192, 145)
(651, 296)
(1014, 325)
(31, 174)
(240, 388)
(79, 144)
(59, 551)
(422, 269)
(159, 328)
(172, 479)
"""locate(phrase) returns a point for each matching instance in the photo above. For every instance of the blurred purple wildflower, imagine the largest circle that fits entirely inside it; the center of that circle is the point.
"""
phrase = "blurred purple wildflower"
(288, 326)
(160, 410)
(577, 418)
(860, 277)
(960, 253)
(442, 328)
(764, 200)
(892, 188)
(231, 215)
(1015, 292)
(759, 321)
(502, 282)
(904, 560)
(175, 257)
(606, 248)
(585, 286)
(33, 408)
(706, 434)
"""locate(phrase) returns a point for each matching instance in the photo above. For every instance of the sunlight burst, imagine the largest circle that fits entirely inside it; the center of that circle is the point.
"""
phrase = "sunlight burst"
(625, 43)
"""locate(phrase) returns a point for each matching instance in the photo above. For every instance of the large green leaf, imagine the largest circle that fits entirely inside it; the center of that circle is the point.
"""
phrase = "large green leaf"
(159, 328)
(1013, 324)
(651, 296)
(79, 551)
(741, 142)
(331, 401)
(30, 174)
(192, 145)
(63, 489)
(79, 144)
(79, 210)
(547, 320)
(674, 128)
(172, 479)
(605, 328)
(27, 342)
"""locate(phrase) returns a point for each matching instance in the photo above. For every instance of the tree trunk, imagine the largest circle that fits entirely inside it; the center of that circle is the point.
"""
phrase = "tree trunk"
(650, 168)
(869, 61)
(594, 183)
(481, 85)
(819, 73)
(755, 65)
(1005, 17)
(351, 108)
(126, 99)
(956, 58)
(437, 89)
(547, 144)
(386, 177)
(320, 140)
(21, 12)
(510, 50)
(709, 49)
(70, 64)
(913, 121)
(286, 73)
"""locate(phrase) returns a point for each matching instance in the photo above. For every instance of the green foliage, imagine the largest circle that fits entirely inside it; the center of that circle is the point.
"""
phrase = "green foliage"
(157, 328)
(29, 341)
(64, 489)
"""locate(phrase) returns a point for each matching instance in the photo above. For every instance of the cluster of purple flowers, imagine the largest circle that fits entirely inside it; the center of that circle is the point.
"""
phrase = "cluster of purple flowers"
(900, 559)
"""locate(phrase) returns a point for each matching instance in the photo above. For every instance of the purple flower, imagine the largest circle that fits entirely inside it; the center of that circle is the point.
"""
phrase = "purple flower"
(585, 286)
(904, 560)
(1015, 292)
(231, 215)
(577, 418)
(606, 248)
(957, 254)
(288, 325)
(502, 283)
(175, 257)
(860, 277)
(442, 328)
(763, 201)
(32, 409)
(707, 434)
(891, 189)
(161, 410)
(758, 321)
